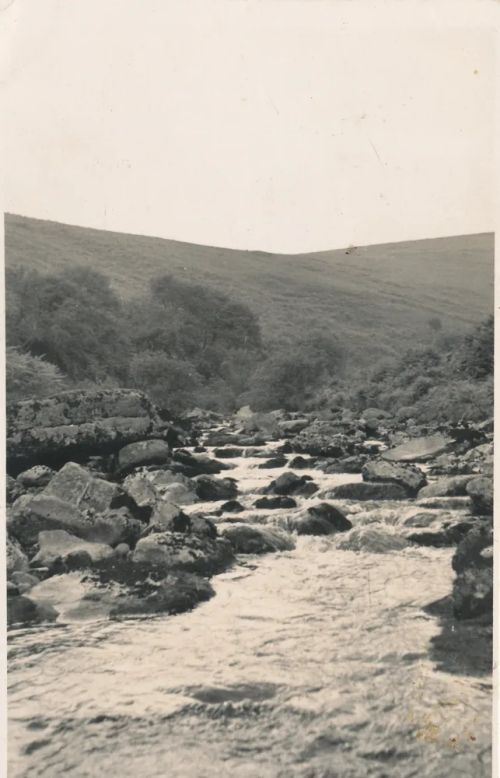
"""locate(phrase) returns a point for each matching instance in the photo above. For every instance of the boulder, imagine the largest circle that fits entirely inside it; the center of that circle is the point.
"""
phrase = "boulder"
(229, 452)
(36, 477)
(178, 551)
(446, 503)
(480, 490)
(142, 453)
(274, 462)
(246, 539)
(419, 449)
(17, 561)
(59, 544)
(410, 477)
(473, 563)
(321, 519)
(22, 610)
(76, 501)
(455, 486)
(190, 465)
(321, 438)
(167, 517)
(289, 483)
(441, 534)
(351, 464)
(368, 491)
(141, 489)
(13, 489)
(176, 593)
(301, 463)
(232, 506)
(292, 426)
(24, 581)
(215, 489)
(375, 541)
(275, 503)
(77, 424)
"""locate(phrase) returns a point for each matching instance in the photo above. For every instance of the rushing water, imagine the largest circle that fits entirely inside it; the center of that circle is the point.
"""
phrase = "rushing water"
(314, 663)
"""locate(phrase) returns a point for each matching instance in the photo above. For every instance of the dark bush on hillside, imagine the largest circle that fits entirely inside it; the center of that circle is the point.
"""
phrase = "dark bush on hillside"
(28, 376)
(171, 383)
(73, 319)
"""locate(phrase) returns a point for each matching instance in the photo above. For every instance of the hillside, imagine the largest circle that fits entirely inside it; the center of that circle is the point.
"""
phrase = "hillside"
(378, 299)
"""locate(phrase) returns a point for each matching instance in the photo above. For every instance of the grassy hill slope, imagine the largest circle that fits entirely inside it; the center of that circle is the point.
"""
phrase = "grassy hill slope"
(377, 299)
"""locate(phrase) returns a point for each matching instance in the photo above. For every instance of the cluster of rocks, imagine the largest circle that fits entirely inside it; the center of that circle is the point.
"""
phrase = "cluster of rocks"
(99, 483)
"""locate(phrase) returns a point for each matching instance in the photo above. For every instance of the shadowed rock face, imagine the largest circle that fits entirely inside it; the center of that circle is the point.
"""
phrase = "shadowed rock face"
(76, 425)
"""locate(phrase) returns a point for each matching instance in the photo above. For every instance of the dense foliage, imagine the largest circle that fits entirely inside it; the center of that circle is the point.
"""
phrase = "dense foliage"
(188, 345)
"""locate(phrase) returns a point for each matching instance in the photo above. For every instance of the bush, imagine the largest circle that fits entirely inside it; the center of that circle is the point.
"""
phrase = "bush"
(171, 383)
(28, 376)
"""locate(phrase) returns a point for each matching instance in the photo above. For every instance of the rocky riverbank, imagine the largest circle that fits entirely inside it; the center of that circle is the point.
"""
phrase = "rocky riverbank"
(114, 509)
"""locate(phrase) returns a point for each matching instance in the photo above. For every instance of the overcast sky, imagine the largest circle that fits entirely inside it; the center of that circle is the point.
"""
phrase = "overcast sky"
(278, 125)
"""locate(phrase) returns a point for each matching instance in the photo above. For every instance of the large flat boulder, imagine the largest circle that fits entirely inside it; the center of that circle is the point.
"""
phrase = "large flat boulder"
(77, 424)
(168, 551)
(59, 544)
(410, 477)
(419, 449)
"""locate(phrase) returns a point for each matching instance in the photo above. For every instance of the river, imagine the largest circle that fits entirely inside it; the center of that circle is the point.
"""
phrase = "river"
(315, 662)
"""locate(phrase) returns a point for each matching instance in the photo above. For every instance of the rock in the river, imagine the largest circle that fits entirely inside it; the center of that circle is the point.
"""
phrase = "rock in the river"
(37, 476)
(173, 550)
(142, 453)
(480, 490)
(445, 503)
(167, 517)
(473, 563)
(447, 533)
(249, 539)
(228, 452)
(455, 486)
(351, 464)
(321, 519)
(275, 503)
(22, 610)
(76, 425)
(59, 544)
(419, 449)
(376, 541)
(208, 488)
(76, 501)
(301, 463)
(410, 477)
(289, 483)
(274, 462)
(16, 558)
(232, 506)
(176, 593)
(368, 491)
(321, 438)
(191, 466)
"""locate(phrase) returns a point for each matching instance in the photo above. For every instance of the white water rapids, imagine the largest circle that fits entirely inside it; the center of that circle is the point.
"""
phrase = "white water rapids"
(315, 662)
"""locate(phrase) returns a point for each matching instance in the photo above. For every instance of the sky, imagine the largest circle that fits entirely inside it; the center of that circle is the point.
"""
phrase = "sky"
(280, 125)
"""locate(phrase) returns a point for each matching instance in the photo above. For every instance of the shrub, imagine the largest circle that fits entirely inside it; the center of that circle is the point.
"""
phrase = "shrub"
(28, 376)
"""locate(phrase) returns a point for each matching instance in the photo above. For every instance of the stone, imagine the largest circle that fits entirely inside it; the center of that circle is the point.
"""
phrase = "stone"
(178, 551)
(419, 449)
(472, 594)
(292, 426)
(410, 477)
(232, 506)
(80, 503)
(440, 535)
(37, 476)
(167, 517)
(301, 463)
(274, 462)
(321, 519)
(368, 491)
(321, 438)
(291, 484)
(445, 503)
(58, 544)
(17, 561)
(77, 424)
(375, 541)
(208, 488)
(480, 490)
(142, 453)
(24, 581)
(22, 610)
(176, 593)
(229, 452)
(247, 539)
(351, 464)
(455, 486)
(275, 503)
